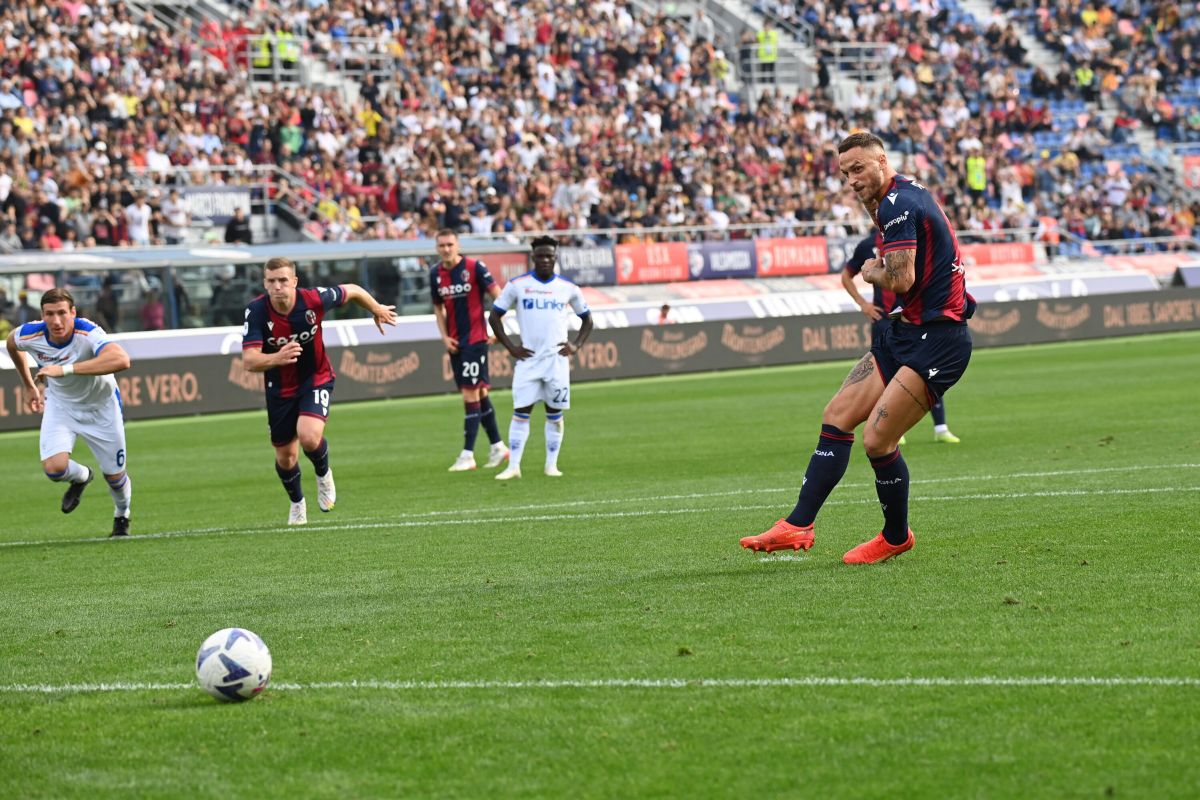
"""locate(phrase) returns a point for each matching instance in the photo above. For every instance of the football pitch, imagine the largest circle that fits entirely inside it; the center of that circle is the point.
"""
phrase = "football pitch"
(602, 634)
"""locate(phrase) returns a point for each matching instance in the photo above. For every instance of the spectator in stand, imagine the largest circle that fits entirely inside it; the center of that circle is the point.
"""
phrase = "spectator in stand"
(24, 312)
(105, 230)
(176, 217)
(137, 218)
(237, 230)
(153, 314)
(108, 309)
(9, 240)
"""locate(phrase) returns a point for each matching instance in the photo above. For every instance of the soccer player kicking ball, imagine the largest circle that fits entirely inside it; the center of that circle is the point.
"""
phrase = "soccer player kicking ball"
(880, 310)
(543, 370)
(922, 354)
(282, 336)
(76, 363)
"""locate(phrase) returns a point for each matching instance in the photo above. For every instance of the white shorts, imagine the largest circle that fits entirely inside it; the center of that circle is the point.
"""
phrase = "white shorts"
(102, 428)
(547, 380)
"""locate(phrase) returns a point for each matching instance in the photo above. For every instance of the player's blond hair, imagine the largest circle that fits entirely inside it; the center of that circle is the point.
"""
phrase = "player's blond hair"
(279, 262)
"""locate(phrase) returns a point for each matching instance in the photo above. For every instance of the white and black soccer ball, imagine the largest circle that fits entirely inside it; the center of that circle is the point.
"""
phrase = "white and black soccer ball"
(233, 664)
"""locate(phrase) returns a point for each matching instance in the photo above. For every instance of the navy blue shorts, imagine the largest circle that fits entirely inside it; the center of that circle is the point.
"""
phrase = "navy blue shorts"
(470, 366)
(878, 328)
(284, 412)
(937, 351)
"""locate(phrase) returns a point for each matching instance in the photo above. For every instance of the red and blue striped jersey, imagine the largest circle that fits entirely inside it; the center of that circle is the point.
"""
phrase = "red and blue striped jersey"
(461, 290)
(270, 330)
(910, 219)
(867, 249)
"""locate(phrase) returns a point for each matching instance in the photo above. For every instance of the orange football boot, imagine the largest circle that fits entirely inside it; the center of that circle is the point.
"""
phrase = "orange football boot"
(878, 550)
(783, 535)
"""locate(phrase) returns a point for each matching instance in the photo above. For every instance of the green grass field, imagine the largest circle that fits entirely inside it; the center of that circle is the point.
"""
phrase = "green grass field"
(602, 634)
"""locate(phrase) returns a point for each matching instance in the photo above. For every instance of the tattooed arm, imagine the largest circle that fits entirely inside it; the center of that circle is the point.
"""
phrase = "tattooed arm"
(895, 271)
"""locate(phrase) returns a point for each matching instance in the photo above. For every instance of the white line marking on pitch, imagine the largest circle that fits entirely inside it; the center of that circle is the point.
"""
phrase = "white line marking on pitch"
(741, 492)
(432, 523)
(984, 681)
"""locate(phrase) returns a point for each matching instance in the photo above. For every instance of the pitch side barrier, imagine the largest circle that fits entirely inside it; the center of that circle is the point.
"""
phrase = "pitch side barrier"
(200, 372)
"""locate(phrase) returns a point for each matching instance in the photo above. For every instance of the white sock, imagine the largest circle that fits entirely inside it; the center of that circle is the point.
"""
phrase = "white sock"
(465, 454)
(518, 433)
(76, 472)
(554, 437)
(940, 428)
(122, 494)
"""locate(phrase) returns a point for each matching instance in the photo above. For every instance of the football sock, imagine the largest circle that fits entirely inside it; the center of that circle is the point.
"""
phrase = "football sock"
(470, 426)
(938, 412)
(891, 485)
(122, 492)
(75, 473)
(319, 459)
(554, 437)
(291, 481)
(487, 417)
(825, 468)
(518, 432)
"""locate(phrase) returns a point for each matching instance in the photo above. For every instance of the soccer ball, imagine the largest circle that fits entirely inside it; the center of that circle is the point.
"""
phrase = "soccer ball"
(233, 664)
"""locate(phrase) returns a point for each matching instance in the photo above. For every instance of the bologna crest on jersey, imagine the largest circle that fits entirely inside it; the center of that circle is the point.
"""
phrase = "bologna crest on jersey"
(310, 317)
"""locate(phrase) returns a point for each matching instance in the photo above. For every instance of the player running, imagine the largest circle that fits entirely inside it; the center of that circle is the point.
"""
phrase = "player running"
(283, 337)
(76, 361)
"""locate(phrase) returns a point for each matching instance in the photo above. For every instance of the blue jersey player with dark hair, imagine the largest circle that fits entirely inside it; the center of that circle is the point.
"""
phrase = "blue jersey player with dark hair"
(921, 355)
(880, 310)
(283, 337)
(458, 287)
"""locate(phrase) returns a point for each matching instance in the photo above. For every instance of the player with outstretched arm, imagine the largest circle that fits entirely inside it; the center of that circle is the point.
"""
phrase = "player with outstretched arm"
(283, 337)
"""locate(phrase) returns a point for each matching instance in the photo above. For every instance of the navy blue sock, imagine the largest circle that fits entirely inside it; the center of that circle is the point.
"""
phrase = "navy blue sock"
(938, 412)
(320, 457)
(291, 482)
(891, 485)
(487, 416)
(470, 426)
(825, 469)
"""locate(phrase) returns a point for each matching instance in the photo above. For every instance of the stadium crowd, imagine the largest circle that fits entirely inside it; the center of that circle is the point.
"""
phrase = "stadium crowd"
(521, 116)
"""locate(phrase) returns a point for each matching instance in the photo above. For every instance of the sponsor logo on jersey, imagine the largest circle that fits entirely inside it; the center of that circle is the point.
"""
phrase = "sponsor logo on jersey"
(455, 289)
(902, 218)
(539, 303)
(302, 337)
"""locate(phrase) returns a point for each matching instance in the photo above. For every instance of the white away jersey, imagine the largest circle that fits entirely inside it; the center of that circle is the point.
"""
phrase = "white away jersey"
(86, 342)
(542, 310)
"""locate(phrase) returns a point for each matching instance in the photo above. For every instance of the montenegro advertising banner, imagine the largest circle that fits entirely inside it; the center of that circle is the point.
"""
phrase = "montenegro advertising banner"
(804, 255)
